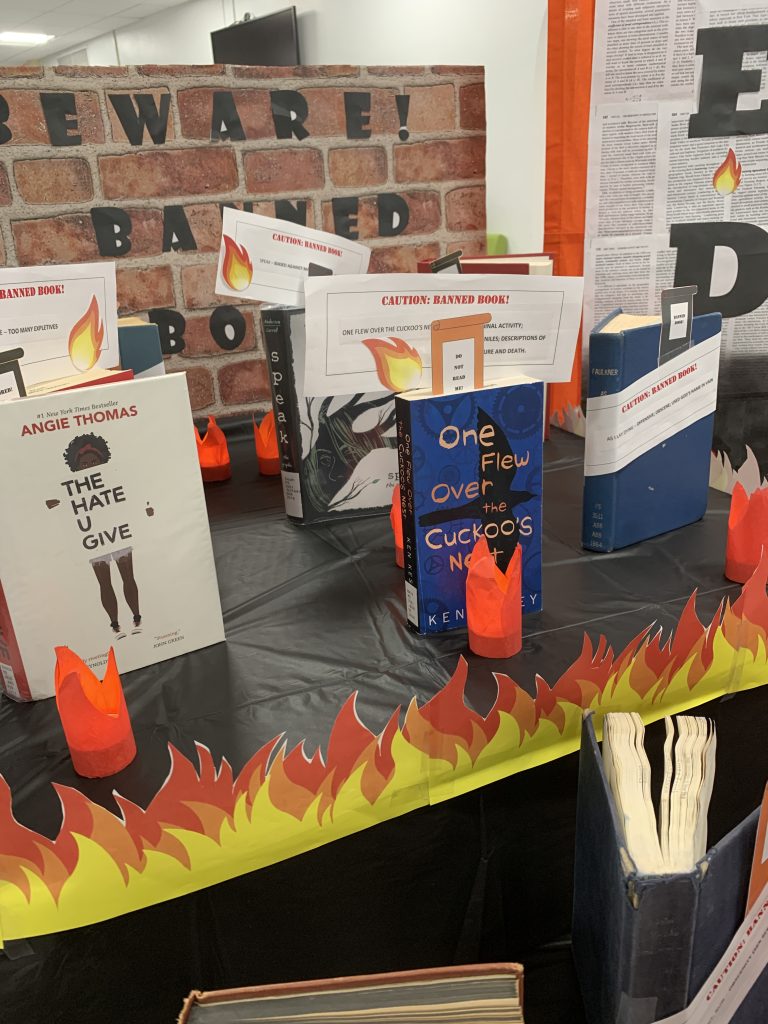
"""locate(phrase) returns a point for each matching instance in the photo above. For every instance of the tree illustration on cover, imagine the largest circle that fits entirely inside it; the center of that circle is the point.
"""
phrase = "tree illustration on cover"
(497, 499)
(338, 447)
(84, 453)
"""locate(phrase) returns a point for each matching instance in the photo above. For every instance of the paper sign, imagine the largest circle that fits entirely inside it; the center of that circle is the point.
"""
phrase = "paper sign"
(64, 320)
(370, 333)
(458, 353)
(624, 426)
(268, 260)
(736, 972)
(758, 879)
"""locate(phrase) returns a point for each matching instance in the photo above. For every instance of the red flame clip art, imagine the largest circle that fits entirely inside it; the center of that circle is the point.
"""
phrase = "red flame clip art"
(265, 436)
(494, 604)
(727, 177)
(396, 519)
(236, 268)
(398, 366)
(86, 338)
(94, 716)
(747, 532)
(213, 453)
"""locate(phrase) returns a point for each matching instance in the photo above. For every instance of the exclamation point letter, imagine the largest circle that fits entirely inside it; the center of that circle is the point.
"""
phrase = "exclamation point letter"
(403, 103)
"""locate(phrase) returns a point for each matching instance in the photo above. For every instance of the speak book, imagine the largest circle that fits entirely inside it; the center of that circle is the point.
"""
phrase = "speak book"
(338, 455)
(481, 994)
(644, 944)
(470, 465)
(649, 429)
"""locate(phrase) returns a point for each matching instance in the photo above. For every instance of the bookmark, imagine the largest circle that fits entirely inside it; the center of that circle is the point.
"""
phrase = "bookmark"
(676, 321)
(458, 353)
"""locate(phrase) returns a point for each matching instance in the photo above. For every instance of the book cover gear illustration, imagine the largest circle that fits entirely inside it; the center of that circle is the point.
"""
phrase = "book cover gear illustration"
(338, 455)
(105, 532)
(470, 465)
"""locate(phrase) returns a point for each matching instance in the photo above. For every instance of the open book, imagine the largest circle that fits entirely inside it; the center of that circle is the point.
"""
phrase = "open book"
(676, 839)
(484, 994)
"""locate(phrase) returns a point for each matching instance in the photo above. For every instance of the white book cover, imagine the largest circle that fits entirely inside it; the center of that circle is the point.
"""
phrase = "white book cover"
(105, 536)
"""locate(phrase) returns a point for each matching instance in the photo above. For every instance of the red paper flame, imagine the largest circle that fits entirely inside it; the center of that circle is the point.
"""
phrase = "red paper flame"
(236, 267)
(86, 338)
(494, 604)
(747, 532)
(213, 452)
(265, 438)
(398, 366)
(94, 716)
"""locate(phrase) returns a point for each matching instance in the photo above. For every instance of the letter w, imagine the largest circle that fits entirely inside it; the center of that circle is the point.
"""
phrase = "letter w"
(146, 115)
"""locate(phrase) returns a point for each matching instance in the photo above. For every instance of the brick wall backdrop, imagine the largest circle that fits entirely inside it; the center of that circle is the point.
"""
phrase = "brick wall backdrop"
(134, 164)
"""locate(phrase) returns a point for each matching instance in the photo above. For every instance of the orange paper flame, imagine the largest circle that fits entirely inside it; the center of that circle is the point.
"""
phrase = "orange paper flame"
(396, 519)
(440, 748)
(494, 604)
(727, 177)
(398, 365)
(267, 452)
(86, 338)
(213, 453)
(747, 532)
(236, 268)
(94, 716)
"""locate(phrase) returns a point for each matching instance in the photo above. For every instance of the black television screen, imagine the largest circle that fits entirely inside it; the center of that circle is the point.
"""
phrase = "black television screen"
(271, 40)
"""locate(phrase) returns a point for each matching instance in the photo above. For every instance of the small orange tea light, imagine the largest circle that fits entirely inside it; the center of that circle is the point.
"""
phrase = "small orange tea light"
(396, 519)
(494, 604)
(265, 436)
(747, 532)
(94, 716)
(213, 453)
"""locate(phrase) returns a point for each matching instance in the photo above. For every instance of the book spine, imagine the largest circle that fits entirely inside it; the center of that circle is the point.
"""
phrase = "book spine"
(277, 331)
(606, 377)
(405, 472)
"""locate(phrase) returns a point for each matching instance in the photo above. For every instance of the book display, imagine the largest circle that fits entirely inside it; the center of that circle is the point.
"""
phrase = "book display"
(339, 639)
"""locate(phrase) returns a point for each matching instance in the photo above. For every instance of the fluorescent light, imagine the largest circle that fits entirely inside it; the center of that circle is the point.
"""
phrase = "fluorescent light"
(23, 38)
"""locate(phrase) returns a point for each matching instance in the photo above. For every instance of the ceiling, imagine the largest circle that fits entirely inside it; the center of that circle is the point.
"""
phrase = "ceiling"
(72, 22)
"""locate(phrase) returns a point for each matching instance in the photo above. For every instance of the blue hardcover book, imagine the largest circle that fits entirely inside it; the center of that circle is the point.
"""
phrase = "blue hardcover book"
(644, 945)
(650, 415)
(470, 464)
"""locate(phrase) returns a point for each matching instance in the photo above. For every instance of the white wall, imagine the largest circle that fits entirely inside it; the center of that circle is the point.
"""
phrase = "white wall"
(507, 36)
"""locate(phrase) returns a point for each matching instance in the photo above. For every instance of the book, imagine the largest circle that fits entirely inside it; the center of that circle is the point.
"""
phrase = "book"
(338, 455)
(509, 263)
(105, 536)
(649, 429)
(677, 839)
(644, 944)
(90, 378)
(482, 994)
(470, 464)
(139, 344)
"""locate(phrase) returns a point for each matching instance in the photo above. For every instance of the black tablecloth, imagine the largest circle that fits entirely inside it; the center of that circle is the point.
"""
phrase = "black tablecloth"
(312, 614)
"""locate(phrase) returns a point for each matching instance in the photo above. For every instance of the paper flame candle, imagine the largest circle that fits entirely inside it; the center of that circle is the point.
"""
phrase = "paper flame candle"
(396, 518)
(236, 268)
(213, 453)
(267, 451)
(494, 604)
(727, 177)
(86, 337)
(747, 532)
(94, 716)
(398, 365)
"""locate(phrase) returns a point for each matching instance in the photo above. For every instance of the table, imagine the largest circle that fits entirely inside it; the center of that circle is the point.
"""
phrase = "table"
(312, 614)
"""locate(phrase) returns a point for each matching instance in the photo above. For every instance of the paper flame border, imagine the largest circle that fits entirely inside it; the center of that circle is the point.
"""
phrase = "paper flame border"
(205, 825)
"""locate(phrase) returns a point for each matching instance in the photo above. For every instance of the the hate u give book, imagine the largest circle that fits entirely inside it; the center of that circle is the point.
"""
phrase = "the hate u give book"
(470, 465)
(104, 537)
